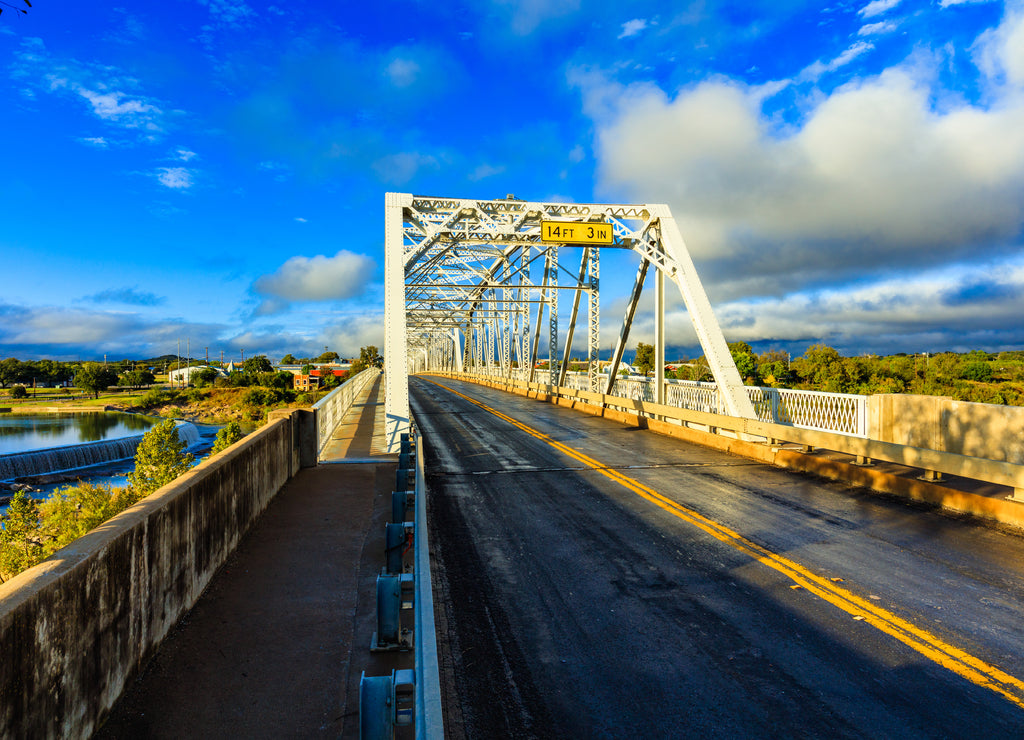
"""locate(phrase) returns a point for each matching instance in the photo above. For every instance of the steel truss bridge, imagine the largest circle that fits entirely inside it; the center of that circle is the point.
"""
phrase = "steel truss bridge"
(471, 284)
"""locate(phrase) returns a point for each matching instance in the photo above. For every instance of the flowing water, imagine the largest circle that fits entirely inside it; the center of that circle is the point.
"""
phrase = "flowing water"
(93, 447)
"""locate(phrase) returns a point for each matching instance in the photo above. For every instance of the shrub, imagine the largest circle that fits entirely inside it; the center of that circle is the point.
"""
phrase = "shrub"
(153, 398)
(227, 436)
(977, 370)
(18, 391)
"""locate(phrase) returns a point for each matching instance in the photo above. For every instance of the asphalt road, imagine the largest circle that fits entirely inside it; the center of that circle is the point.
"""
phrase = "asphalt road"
(678, 591)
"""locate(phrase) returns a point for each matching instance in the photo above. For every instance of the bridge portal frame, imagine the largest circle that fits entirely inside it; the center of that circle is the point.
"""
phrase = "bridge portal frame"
(459, 269)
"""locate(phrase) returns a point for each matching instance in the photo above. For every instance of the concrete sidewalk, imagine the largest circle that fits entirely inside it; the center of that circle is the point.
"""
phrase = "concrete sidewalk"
(276, 645)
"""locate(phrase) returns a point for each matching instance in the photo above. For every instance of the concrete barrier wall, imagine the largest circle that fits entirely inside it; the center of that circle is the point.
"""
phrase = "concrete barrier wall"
(937, 423)
(75, 629)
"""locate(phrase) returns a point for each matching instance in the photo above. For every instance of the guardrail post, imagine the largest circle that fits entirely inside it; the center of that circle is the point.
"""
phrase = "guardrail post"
(399, 506)
(386, 702)
(396, 542)
(390, 635)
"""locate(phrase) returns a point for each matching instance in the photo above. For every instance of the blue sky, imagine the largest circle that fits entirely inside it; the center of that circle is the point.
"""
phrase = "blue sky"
(213, 171)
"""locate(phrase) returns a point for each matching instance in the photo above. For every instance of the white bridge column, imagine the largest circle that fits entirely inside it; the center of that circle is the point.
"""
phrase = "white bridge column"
(730, 385)
(396, 360)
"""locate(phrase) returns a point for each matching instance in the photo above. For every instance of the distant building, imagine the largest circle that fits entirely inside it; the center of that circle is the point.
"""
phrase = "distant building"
(183, 376)
(305, 382)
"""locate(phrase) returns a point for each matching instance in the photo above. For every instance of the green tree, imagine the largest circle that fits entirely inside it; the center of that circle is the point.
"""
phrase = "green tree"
(256, 365)
(136, 378)
(227, 436)
(976, 370)
(159, 459)
(19, 391)
(93, 377)
(330, 357)
(368, 357)
(20, 538)
(205, 377)
(11, 371)
(289, 359)
(75, 510)
(644, 360)
(307, 369)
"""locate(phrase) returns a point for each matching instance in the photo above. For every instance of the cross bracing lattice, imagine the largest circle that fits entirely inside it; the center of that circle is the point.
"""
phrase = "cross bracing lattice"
(468, 284)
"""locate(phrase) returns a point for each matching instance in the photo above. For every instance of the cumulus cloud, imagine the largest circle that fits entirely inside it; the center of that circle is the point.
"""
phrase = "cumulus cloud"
(877, 7)
(999, 52)
(874, 177)
(320, 278)
(77, 333)
(176, 178)
(877, 29)
(96, 141)
(632, 28)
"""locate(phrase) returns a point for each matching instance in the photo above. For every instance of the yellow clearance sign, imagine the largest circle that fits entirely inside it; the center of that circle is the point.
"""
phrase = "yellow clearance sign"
(575, 232)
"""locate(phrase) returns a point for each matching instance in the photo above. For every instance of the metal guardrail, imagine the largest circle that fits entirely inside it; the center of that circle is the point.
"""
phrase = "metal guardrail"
(773, 433)
(332, 408)
(841, 413)
(407, 696)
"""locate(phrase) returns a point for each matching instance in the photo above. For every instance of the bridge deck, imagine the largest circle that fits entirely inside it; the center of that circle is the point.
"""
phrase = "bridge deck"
(361, 433)
(276, 645)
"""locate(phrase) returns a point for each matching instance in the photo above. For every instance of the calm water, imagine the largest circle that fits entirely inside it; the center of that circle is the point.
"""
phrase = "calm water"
(24, 432)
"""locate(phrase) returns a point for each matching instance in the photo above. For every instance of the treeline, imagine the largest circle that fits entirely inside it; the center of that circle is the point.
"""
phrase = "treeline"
(978, 376)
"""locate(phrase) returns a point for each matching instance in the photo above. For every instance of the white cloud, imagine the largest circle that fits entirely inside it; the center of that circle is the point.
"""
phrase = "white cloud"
(876, 29)
(186, 156)
(110, 96)
(403, 72)
(632, 28)
(301, 220)
(999, 52)
(818, 68)
(877, 7)
(176, 178)
(527, 15)
(320, 278)
(484, 171)
(873, 178)
(947, 3)
(97, 141)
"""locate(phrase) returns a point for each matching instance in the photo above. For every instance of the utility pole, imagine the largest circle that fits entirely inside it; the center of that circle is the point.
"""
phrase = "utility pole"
(207, 356)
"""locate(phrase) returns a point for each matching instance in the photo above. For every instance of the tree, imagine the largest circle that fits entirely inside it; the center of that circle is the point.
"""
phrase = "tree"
(20, 538)
(644, 360)
(93, 377)
(227, 436)
(307, 369)
(289, 359)
(206, 376)
(19, 391)
(976, 370)
(256, 365)
(159, 459)
(329, 357)
(138, 377)
(11, 371)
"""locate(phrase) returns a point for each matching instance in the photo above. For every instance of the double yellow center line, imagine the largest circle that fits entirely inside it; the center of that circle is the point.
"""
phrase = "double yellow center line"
(931, 646)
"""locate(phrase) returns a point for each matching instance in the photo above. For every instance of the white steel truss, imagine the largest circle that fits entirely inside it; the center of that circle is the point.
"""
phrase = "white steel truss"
(469, 271)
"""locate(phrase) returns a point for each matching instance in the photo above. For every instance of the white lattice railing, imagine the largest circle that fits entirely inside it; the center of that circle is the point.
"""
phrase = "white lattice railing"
(842, 413)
